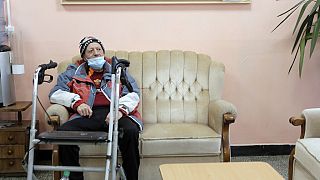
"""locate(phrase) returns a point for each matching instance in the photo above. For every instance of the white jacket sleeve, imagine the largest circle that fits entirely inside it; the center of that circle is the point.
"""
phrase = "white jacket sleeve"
(64, 98)
(129, 102)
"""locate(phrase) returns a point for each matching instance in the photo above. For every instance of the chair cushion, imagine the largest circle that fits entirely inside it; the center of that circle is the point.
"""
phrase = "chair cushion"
(170, 139)
(179, 139)
(308, 154)
(93, 150)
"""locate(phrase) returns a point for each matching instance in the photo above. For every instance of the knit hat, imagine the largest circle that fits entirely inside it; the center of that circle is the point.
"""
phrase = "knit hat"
(86, 41)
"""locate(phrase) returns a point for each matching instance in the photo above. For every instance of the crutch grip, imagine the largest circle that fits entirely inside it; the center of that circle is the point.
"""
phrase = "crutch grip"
(50, 65)
(42, 74)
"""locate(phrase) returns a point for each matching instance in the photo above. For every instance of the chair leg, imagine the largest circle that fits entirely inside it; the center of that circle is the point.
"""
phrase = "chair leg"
(290, 169)
(227, 120)
(55, 161)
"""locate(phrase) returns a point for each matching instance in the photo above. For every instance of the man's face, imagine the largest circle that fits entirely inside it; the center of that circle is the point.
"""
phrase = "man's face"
(93, 50)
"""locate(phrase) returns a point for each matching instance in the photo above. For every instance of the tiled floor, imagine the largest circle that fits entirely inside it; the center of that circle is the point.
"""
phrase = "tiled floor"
(279, 163)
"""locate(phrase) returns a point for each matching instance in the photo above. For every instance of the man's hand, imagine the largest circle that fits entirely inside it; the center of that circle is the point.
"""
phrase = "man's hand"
(84, 110)
(119, 116)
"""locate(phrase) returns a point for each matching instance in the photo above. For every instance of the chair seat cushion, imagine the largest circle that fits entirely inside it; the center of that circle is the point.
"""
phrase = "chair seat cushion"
(179, 139)
(307, 152)
(99, 149)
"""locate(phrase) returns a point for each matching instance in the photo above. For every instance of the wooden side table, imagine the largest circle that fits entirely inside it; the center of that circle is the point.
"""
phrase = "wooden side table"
(18, 107)
(14, 141)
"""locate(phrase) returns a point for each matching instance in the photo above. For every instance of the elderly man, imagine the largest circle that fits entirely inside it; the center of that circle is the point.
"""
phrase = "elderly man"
(85, 89)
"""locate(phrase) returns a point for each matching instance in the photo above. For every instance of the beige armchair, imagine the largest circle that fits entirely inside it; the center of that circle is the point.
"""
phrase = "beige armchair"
(185, 118)
(304, 160)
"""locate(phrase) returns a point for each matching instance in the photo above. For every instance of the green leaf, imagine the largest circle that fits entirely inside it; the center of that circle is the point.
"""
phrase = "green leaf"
(315, 35)
(301, 13)
(315, 7)
(310, 23)
(294, 60)
(284, 19)
(301, 30)
(308, 29)
(302, 48)
(298, 4)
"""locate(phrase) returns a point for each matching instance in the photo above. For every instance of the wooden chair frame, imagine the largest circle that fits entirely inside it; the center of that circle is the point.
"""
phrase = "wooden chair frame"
(296, 121)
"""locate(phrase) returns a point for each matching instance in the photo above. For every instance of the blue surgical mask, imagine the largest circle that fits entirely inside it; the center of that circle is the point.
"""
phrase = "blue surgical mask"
(96, 63)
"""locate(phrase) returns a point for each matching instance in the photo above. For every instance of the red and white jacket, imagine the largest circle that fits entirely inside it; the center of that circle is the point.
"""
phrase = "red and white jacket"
(75, 84)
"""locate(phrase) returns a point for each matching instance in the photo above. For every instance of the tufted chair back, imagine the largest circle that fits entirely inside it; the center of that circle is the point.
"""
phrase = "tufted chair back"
(173, 83)
(176, 86)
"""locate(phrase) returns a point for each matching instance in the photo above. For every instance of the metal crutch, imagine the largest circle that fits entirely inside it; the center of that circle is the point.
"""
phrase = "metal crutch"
(38, 78)
(118, 67)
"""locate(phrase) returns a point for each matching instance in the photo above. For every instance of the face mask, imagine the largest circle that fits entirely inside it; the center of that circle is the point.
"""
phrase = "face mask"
(96, 63)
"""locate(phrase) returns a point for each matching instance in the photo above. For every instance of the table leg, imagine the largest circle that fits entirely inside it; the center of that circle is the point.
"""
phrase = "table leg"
(19, 117)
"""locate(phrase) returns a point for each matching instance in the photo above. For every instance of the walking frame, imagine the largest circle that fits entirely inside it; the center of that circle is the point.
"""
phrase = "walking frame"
(118, 68)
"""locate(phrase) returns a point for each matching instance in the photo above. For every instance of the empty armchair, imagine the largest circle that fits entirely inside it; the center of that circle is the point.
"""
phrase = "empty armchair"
(304, 161)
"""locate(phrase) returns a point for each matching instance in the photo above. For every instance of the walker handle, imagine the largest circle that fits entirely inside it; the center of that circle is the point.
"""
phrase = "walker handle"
(42, 75)
(50, 65)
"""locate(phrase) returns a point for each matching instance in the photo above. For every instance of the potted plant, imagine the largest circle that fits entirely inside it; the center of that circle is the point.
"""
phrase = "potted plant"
(307, 28)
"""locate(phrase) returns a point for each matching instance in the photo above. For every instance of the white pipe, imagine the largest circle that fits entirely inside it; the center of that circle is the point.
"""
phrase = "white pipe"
(8, 13)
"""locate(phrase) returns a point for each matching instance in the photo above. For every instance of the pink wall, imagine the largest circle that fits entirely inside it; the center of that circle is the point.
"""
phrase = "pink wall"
(240, 36)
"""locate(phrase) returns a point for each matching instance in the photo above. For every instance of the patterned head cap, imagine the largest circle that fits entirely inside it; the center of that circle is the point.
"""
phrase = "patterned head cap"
(86, 41)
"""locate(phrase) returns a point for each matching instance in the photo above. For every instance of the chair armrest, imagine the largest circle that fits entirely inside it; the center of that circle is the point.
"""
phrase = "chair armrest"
(309, 122)
(217, 111)
(221, 115)
(228, 118)
(58, 114)
(312, 122)
(299, 121)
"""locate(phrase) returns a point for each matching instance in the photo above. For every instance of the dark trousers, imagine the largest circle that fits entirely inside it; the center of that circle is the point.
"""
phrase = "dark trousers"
(127, 141)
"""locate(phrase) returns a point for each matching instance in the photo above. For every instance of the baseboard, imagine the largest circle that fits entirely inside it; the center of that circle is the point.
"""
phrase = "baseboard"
(261, 150)
(252, 150)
